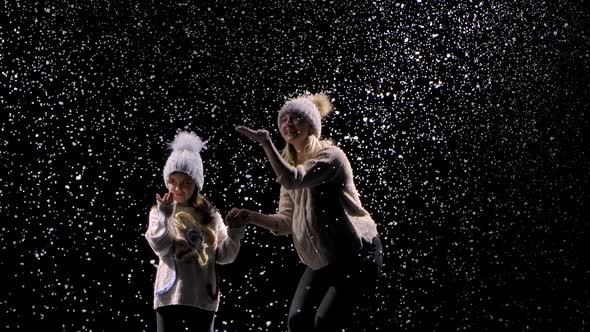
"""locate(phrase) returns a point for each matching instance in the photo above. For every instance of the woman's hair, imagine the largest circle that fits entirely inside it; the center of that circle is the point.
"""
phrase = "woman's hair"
(313, 145)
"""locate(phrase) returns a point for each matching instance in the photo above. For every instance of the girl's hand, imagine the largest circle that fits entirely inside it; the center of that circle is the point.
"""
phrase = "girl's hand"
(236, 218)
(261, 135)
(167, 199)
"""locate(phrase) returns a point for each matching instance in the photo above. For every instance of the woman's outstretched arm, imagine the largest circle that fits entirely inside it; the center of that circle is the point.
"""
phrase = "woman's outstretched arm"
(279, 165)
(324, 167)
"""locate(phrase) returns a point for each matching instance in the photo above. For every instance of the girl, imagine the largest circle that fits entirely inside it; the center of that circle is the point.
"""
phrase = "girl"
(334, 236)
(189, 237)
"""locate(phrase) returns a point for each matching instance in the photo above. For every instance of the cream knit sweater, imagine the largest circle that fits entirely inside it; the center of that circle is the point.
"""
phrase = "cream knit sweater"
(320, 206)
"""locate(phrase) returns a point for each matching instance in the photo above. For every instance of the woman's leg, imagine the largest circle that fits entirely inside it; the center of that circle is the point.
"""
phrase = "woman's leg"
(349, 286)
(335, 310)
(371, 265)
(310, 291)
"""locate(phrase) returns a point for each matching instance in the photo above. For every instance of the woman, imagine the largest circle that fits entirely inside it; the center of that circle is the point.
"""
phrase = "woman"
(334, 236)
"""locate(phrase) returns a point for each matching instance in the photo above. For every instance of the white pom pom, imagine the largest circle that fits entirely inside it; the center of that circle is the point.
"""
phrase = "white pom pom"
(185, 140)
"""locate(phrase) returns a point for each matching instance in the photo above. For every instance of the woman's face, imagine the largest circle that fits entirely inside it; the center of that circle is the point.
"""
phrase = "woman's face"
(294, 129)
(182, 186)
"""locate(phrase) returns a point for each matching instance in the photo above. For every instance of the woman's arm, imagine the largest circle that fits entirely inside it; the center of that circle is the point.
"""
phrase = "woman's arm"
(279, 165)
(273, 223)
(313, 172)
(244, 217)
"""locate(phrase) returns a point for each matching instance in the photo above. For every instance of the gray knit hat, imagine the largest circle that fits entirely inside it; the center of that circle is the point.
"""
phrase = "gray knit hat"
(186, 157)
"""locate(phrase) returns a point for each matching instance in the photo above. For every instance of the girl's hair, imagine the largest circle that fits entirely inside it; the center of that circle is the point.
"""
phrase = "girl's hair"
(313, 145)
(203, 206)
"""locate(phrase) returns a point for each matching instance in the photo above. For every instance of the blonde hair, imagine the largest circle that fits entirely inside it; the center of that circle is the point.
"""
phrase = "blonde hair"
(313, 145)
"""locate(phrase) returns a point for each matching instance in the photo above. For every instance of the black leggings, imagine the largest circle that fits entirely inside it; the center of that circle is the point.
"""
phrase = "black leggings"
(325, 298)
(174, 318)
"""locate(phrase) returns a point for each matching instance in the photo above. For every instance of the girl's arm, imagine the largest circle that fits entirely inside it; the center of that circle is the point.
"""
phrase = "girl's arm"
(158, 234)
(228, 245)
(255, 218)
(279, 223)
(323, 168)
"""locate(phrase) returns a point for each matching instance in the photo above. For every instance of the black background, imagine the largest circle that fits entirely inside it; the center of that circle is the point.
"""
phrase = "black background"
(463, 122)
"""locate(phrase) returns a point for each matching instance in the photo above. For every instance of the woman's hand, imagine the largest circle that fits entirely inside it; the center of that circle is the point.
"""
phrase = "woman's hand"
(167, 199)
(260, 135)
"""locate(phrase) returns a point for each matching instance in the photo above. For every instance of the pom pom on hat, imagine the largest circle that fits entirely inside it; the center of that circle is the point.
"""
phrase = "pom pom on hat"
(185, 140)
(186, 158)
(323, 104)
(312, 107)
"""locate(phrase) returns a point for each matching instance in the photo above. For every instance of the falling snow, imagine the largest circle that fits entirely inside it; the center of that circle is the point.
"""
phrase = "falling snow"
(463, 123)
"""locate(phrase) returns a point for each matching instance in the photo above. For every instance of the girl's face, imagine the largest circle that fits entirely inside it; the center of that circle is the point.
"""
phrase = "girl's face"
(294, 129)
(182, 186)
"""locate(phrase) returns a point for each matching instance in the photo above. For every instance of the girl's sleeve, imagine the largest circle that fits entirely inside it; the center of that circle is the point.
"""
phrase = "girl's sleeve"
(284, 217)
(228, 238)
(323, 168)
(158, 234)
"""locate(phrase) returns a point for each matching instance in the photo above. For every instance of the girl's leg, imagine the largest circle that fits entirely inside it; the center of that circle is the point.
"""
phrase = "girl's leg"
(169, 319)
(175, 318)
(200, 320)
(311, 289)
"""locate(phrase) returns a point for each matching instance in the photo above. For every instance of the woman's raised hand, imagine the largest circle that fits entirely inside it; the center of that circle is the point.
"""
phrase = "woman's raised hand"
(260, 135)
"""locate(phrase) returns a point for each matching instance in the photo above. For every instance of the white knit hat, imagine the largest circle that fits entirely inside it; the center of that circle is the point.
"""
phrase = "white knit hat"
(186, 157)
(311, 107)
